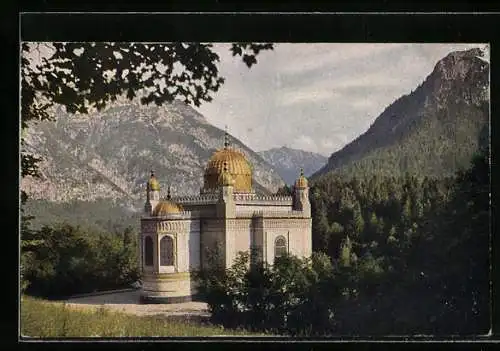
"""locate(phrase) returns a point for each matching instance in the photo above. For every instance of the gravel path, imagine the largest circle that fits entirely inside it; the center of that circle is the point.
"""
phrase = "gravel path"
(128, 302)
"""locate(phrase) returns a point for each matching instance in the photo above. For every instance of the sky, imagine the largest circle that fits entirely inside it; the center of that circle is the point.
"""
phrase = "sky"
(316, 97)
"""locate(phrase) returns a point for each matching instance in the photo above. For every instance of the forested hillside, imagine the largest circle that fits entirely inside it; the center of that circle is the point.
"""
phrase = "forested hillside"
(102, 214)
(417, 249)
(433, 131)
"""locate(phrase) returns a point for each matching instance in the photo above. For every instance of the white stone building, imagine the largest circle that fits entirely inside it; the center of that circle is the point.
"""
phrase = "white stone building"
(180, 235)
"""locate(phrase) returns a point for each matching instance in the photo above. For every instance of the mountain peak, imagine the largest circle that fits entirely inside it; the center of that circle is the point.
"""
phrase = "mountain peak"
(288, 162)
(463, 54)
(458, 64)
(432, 131)
(108, 154)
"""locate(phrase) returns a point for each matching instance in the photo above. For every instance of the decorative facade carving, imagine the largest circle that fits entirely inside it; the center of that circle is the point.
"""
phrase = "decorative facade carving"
(238, 224)
(270, 213)
(287, 223)
(203, 199)
(148, 227)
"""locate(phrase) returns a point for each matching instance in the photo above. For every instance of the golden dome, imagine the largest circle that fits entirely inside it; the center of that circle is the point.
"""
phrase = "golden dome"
(237, 167)
(301, 182)
(153, 183)
(166, 207)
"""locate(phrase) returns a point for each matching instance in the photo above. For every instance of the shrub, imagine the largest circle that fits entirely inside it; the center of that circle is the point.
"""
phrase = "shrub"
(70, 260)
(293, 296)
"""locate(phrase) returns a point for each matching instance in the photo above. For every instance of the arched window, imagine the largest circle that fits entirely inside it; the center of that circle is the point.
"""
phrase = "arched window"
(166, 251)
(280, 246)
(148, 251)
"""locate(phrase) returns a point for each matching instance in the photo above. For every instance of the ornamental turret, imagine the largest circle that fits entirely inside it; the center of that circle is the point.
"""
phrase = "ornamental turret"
(226, 206)
(167, 207)
(301, 195)
(152, 194)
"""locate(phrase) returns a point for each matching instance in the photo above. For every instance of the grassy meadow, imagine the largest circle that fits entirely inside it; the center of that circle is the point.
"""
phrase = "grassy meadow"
(44, 319)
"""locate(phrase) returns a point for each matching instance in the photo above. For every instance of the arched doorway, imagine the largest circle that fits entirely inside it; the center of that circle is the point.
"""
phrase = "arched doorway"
(166, 251)
(280, 248)
(148, 251)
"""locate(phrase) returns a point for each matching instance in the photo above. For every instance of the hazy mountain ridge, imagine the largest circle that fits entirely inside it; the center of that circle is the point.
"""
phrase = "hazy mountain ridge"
(434, 130)
(288, 162)
(109, 154)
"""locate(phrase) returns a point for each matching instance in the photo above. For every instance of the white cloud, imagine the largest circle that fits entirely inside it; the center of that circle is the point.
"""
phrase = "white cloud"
(304, 142)
(317, 97)
(363, 104)
(304, 57)
(370, 80)
(304, 96)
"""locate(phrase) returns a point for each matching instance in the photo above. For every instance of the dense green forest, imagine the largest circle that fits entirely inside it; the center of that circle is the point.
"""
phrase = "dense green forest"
(77, 247)
(62, 259)
(398, 255)
(417, 247)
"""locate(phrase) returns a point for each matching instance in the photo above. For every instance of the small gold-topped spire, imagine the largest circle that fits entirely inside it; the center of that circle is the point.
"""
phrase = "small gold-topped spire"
(153, 182)
(302, 180)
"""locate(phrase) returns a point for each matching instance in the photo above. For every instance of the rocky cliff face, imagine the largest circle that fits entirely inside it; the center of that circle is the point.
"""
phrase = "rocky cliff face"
(109, 154)
(432, 131)
(288, 162)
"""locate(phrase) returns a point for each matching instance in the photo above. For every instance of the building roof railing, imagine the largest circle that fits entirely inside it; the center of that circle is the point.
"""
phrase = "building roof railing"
(239, 198)
(270, 214)
(180, 215)
(196, 199)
